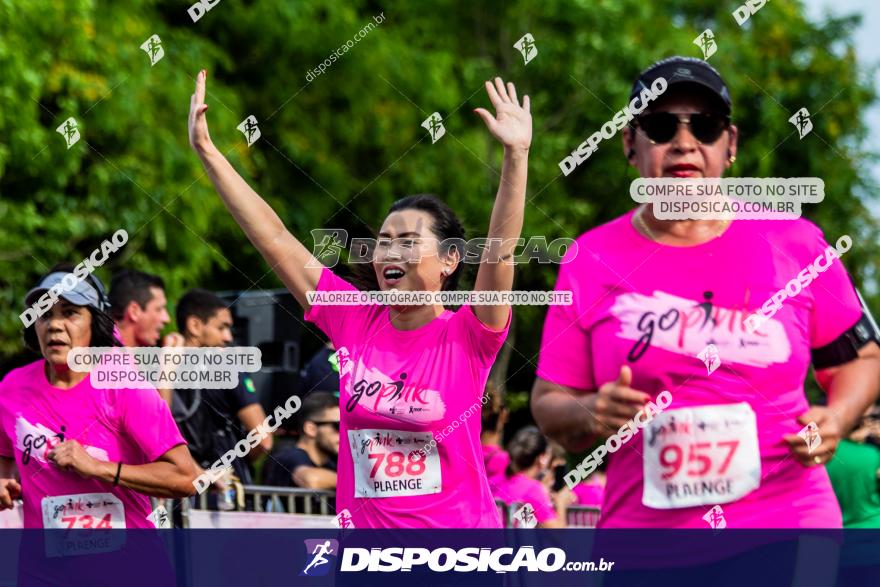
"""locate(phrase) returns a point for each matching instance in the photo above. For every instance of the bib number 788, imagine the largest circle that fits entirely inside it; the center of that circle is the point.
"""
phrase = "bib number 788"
(396, 463)
(701, 457)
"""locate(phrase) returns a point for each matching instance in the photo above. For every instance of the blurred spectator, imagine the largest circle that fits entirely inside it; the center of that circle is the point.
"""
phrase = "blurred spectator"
(321, 373)
(590, 492)
(554, 480)
(855, 473)
(138, 307)
(530, 460)
(312, 462)
(214, 420)
(494, 417)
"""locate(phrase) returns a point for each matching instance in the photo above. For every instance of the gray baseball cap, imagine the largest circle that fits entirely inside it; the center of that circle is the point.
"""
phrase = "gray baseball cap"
(82, 294)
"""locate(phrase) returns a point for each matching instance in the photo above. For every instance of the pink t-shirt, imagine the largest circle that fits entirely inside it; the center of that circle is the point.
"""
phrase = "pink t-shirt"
(656, 307)
(399, 391)
(496, 460)
(589, 494)
(133, 426)
(519, 489)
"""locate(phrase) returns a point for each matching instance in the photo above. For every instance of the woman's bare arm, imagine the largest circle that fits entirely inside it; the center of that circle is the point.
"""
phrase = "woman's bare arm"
(512, 126)
(170, 475)
(286, 255)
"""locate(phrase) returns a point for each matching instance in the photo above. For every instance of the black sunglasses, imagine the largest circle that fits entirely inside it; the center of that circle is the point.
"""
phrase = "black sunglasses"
(334, 423)
(660, 127)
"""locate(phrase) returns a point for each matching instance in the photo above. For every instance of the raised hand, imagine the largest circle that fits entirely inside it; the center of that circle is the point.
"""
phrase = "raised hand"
(512, 123)
(198, 122)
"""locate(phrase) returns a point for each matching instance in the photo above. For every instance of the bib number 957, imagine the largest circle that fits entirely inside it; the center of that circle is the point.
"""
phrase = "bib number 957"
(702, 458)
(706, 455)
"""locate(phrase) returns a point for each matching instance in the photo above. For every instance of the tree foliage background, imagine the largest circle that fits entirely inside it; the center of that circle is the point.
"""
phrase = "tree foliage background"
(336, 151)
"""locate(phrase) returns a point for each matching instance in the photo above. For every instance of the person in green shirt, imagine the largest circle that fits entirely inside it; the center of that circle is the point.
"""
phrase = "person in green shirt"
(855, 473)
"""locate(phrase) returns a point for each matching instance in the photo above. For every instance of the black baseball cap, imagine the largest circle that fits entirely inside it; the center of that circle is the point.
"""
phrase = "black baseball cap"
(679, 70)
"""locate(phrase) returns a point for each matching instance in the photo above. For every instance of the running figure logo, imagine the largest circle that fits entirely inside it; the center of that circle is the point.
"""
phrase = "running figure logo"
(810, 434)
(343, 520)
(434, 125)
(323, 552)
(159, 517)
(153, 48)
(250, 129)
(706, 42)
(69, 131)
(525, 516)
(329, 243)
(710, 358)
(801, 121)
(526, 46)
(715, 518)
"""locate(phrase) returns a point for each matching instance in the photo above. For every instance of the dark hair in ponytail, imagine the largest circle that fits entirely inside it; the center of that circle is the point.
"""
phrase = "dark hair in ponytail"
(447, 229)
(493, 407)
(524, 449)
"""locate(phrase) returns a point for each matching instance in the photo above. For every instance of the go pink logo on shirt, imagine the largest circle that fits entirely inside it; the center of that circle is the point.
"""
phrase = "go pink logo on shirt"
(393, 397)
(685, 327)
(35, 441)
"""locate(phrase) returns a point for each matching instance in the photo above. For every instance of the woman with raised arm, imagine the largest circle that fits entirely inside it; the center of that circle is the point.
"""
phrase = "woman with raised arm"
(406, 372)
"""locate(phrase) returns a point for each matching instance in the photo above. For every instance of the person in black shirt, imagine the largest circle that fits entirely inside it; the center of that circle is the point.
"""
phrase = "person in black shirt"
(321, 372)
(213, 420)
(311, 463)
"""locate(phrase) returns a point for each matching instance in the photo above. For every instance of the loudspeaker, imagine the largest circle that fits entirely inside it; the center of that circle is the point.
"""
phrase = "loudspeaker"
(270, 320)
(274, 386)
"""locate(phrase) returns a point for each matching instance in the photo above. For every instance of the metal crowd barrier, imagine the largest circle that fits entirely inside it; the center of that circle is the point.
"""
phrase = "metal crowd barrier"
(277, 496)
(264, 507)
(505, 513)
(326, 499)
(579, 516)
(576, 516)
(13, 518)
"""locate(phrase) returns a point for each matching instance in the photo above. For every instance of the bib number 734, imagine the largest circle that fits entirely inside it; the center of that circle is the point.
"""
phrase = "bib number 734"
(87, 521)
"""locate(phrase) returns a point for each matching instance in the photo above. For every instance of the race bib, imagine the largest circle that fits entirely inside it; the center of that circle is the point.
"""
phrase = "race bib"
(92, 511)
(392, 463)
(700, 456)
(99, 511)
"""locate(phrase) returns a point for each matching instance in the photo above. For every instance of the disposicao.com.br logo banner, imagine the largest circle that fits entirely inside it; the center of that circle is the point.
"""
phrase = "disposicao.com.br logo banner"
(322, 556)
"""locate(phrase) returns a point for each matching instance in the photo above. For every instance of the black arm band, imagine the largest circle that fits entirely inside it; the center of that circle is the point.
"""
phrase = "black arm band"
(118, 471)
(846, 347)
